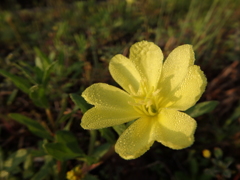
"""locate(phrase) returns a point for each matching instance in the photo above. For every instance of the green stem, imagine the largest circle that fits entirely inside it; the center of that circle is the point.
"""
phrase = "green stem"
(93, 135)
(50, 117)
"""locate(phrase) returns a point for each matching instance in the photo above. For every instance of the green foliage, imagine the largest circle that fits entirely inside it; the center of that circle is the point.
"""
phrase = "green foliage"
(35, 127)
(202, 108)
(63, 151)
(108, 134)
(80, 102)
(45, 169)
(19, 161)
(65, 148)
(38, 96)
(100, 151)
(21, 83)
(220, 165)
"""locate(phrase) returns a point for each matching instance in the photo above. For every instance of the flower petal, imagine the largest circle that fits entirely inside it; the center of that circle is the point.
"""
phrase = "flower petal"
(111, 107)
(124, 72)
(190, 90)
(175, 129)
(147, 58)
(136, 139)
(101, 94)
(175, 68)
(101, 117)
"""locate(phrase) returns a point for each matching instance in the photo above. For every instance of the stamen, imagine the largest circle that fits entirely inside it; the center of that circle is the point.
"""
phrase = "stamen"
(146, 99)
(156, 92)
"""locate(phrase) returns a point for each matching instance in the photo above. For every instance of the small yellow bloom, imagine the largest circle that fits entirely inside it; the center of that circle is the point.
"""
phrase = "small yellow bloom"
(206, 153)
(75, 174)
(153, 96)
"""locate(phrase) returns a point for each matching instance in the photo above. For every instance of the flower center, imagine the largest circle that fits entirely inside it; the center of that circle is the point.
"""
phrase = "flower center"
(146, 100)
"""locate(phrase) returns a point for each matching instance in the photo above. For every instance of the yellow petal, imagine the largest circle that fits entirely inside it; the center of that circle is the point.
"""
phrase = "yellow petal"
(136, 139)
(101, 117)
(190, 90)
(175, 68)
(102, 94)
(111, 107)
(124, 72)
(175, 129)
(147, 58)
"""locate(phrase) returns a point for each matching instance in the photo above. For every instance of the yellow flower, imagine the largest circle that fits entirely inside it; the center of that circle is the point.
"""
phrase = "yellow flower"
(75, 174)
(153, 96)
(206, 153)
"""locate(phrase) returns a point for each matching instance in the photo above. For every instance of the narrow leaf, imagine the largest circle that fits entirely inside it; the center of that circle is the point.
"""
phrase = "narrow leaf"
(80, 102)
(47, 72)
(42, 61)
(108, 134)
(101, 150)
(65, 137)
(81, 42)
(32, 125)
(62, 151)
(20, 82)
(201, 108)
(27, 74)
(38, 96)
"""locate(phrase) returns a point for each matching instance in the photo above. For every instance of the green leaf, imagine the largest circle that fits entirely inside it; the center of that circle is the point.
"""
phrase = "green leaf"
(108, 134)
(32, 125)
(28, 162)
(66, 146)
(46, 74)
(63, 136)
(202, 108)
(218, 153)
(80, 102)
(28, 167)
(45, 170)
(39, 74)
(38, 96)
(59, 68)
(15, 160)
(101, 150)
(65, 117)
(235, 115)
(81, 42)
(27, 74)
(42, 61)
(39, 151)
(12, 97)
(20, 82)
(63, 151)
(39, 63)
(62, 29)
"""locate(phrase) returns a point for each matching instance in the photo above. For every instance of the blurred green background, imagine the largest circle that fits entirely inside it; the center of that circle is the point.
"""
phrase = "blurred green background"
(49, 49)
